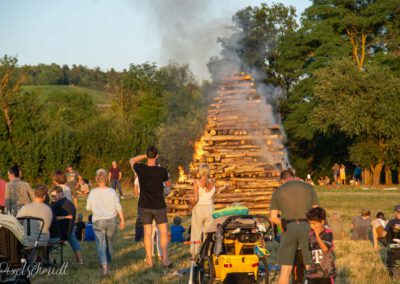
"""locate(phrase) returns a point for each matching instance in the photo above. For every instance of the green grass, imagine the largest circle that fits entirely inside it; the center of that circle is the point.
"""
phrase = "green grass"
(98, 97)
(356, 261)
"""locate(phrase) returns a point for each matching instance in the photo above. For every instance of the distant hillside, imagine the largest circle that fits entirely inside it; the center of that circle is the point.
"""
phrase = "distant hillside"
(98, 97)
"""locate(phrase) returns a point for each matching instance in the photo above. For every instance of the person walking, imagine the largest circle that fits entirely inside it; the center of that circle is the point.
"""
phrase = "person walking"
(203, 206)
(114, 176)
(18, 192)
(292, 200)
(152, 206)
(103, 201)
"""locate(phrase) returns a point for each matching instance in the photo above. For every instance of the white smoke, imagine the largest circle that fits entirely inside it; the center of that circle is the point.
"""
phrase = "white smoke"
(188, 34)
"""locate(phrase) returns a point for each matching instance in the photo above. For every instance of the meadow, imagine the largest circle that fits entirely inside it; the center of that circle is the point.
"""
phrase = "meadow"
(356, 262)
(98, 97)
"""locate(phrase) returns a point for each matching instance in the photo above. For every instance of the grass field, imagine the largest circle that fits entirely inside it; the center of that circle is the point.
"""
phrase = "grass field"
(98, 97)
(356, 261)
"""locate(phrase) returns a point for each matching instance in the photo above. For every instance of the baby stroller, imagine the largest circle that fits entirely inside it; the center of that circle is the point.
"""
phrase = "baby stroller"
(15, 254)
(234, 250)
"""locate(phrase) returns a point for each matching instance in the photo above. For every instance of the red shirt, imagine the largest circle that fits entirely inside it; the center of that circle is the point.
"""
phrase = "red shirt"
(114, 172)
(2, 192)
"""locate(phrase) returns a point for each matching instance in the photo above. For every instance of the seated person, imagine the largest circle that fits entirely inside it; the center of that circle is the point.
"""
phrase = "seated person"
(65, 211)
(38, 209)
(89, 233)
(327, 180)
(336, 226)
(83, 186)
(177, 231)
(321, 181)
(378, 226)
(392, 229)
(360, 225)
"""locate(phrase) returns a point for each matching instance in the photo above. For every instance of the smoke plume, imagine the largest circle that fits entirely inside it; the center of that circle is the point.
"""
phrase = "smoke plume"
(188, 33)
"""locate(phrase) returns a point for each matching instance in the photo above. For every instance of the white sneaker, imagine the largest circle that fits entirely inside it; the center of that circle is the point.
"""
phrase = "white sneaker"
(122, 197)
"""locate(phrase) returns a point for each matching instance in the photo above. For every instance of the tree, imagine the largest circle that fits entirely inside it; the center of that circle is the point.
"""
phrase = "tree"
(10, 85)
(363, 105)
(252, 46)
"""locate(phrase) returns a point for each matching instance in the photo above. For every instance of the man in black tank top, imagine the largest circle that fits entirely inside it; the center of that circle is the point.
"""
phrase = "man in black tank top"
(152, 204)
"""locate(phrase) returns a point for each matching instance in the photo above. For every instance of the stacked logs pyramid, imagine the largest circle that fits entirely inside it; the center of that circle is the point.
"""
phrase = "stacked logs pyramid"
(242, 147)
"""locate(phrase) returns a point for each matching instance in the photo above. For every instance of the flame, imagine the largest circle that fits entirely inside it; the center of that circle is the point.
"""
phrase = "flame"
(198, 149)
(182, 175)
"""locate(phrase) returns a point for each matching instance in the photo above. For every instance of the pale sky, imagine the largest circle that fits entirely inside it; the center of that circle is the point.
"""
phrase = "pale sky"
(116, 33)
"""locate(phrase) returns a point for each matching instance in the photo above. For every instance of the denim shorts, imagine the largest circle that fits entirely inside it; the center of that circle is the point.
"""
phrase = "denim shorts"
(148, 215)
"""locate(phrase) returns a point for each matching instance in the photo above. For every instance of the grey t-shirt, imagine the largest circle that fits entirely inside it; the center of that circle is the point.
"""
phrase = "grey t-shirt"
(39, 210)
(294, 199)
(361, 226)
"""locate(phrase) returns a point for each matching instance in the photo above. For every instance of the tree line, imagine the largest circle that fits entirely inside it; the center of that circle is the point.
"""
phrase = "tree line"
(339, 68)
(150, 105)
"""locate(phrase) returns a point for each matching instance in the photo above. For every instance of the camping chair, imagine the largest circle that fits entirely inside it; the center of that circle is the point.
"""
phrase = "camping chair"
(56, 249)
(30, 250)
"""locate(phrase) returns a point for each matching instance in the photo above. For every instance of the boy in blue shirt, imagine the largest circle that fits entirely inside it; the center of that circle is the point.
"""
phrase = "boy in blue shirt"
(177, 231)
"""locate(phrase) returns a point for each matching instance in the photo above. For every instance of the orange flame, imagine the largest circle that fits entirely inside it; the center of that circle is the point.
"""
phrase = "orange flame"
(198, 149)
(182, 175)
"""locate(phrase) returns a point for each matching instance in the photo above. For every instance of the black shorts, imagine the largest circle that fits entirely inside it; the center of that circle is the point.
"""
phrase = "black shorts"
(148, 215)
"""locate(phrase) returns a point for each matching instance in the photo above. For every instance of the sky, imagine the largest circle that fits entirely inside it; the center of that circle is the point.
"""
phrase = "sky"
(117, 33)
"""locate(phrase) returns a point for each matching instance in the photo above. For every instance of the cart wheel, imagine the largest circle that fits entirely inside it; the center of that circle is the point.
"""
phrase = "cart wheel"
(263, 272)
(206, 273)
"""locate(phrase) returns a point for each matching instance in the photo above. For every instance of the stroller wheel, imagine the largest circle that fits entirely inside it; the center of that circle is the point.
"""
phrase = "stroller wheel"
(263, 272)
(206, 273)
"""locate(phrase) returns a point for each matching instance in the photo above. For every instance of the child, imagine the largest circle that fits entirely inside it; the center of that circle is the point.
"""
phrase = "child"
(139, 230)
(322, 270)
(177, 231)
(89, 233)
(79, 228)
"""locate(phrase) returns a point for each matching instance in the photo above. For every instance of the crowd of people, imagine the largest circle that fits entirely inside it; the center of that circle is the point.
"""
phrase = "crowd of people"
(339, 177)
(295, 209)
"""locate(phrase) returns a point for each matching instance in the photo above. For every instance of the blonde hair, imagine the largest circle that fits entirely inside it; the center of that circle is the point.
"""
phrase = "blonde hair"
(101, 176)
(204, 170)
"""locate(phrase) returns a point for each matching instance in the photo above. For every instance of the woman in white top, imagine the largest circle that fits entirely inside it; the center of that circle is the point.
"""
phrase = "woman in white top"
(203, 206)
(105, 205)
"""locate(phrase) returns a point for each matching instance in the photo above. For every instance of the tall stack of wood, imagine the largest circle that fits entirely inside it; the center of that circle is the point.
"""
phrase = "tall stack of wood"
(242, 147)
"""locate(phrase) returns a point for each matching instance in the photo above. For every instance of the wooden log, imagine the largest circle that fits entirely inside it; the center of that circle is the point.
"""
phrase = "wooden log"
(259, 211)
(240, 138)
(243, 194)
(241, 199)
(179, 206)
(230, 104)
